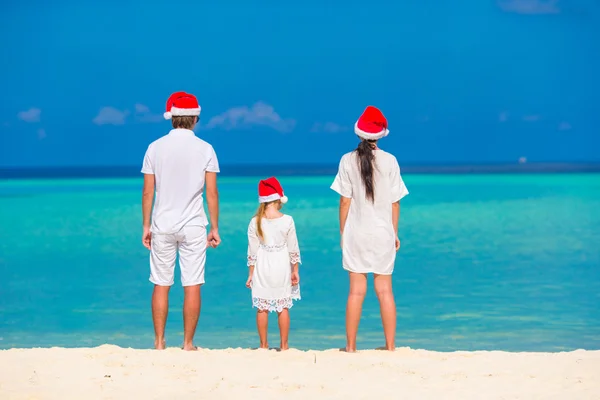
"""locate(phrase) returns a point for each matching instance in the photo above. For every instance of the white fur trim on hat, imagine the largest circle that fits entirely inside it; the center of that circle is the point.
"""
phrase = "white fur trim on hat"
(270, 198)
(370, 136)
(182, 112)
(284, 200)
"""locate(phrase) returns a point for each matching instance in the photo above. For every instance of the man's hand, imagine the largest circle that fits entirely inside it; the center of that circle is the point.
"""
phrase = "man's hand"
(213, 238)
(147, 238)
(397, 243)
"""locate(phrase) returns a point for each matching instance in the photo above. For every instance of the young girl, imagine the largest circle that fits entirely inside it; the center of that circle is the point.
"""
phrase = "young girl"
(273, 258)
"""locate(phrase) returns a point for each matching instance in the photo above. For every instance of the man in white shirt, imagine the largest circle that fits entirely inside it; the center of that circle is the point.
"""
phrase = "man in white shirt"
(176, 169)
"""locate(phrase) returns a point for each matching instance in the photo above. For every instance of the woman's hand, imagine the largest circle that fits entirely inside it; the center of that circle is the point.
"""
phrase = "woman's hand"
(249, 282)
(147, 238)
(295, 278)
(397, 243)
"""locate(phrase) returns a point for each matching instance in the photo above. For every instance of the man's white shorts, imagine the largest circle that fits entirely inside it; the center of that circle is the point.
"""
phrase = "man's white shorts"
(190, 241)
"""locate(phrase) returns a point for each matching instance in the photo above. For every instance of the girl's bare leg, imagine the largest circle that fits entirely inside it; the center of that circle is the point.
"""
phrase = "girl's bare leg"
(284, 328)
(356, 296)
(387, 307)
(262, 324)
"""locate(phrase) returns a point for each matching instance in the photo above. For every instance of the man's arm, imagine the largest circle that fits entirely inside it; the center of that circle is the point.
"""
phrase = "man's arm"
(147, 200)
(212, 198)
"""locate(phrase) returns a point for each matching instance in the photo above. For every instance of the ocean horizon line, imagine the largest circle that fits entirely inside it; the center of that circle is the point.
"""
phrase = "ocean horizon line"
(240, 170)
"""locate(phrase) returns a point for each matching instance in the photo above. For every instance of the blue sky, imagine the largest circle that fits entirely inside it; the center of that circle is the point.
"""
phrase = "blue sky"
(460, 81)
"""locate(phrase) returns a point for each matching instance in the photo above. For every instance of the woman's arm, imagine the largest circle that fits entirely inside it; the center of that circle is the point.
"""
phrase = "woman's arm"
(395, 216)
(344, 208)
(395, 219)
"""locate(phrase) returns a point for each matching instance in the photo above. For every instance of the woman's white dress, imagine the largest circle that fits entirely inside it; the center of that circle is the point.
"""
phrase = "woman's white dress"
(273, 258)
(368, 242)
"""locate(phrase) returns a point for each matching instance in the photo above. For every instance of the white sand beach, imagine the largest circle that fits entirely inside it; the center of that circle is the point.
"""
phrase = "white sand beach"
(110, 372)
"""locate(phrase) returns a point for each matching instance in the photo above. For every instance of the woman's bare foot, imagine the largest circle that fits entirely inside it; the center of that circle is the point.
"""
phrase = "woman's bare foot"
(284, 347)
(350, 349)
(160, 344)
(264, 346)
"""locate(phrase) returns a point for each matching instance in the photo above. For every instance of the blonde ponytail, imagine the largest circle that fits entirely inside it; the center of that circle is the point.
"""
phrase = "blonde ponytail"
(260, 213)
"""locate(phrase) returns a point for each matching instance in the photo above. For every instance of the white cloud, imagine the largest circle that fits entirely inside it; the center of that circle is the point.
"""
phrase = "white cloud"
(329, 127)
(260, 114)
(140, 108)
(503, 116)
(31, 115)
(41, 133)
(529, 6)
(564, 126)
(110, 116)
(143, 114)
(531, 118)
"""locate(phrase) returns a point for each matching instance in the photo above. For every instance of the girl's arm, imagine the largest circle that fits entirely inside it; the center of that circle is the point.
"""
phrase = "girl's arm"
(253, 243)
(293, 247)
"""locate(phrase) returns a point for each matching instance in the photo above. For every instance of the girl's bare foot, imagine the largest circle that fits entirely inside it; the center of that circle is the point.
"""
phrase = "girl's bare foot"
(189, 347)
(264, 346)
(160, 344)
(350, 350)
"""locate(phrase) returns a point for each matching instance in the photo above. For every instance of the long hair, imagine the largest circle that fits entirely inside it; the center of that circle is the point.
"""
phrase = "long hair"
(366, 159)
(260, 214)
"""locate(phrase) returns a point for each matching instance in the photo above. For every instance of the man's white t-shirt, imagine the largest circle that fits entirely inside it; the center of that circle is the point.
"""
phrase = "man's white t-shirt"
(179, 162)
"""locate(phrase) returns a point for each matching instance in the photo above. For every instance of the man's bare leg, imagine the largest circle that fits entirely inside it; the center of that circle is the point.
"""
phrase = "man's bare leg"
(160, 310)
(191, 313)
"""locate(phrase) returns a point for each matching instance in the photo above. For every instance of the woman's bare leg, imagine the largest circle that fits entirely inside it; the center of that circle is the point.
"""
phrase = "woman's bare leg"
(387, 307)
(356, 296)
(262, 324)
(284, 328)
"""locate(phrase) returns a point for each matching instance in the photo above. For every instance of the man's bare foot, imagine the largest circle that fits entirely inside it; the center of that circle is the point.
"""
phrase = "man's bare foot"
(189, 347)
(160, 344)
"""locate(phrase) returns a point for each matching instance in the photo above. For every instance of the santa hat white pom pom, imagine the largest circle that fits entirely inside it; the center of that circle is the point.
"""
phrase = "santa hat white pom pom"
(284, 199)
(167, 115)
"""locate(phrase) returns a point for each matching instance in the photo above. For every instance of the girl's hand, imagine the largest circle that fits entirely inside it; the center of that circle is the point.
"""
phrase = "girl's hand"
(249, 283)
(295, 278)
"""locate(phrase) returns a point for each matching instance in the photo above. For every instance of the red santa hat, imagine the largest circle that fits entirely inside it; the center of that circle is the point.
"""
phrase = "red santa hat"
(371, 125)
(270, 190)
(182, 104)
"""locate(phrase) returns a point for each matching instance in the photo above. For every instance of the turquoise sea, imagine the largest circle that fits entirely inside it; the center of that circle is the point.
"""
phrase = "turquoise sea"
(508, 262)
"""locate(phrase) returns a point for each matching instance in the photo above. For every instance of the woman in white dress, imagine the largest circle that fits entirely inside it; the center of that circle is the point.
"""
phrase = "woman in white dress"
(273, 258)
(370, 189)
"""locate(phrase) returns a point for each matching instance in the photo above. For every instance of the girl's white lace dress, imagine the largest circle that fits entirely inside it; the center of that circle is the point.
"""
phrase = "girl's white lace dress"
(273, 258)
